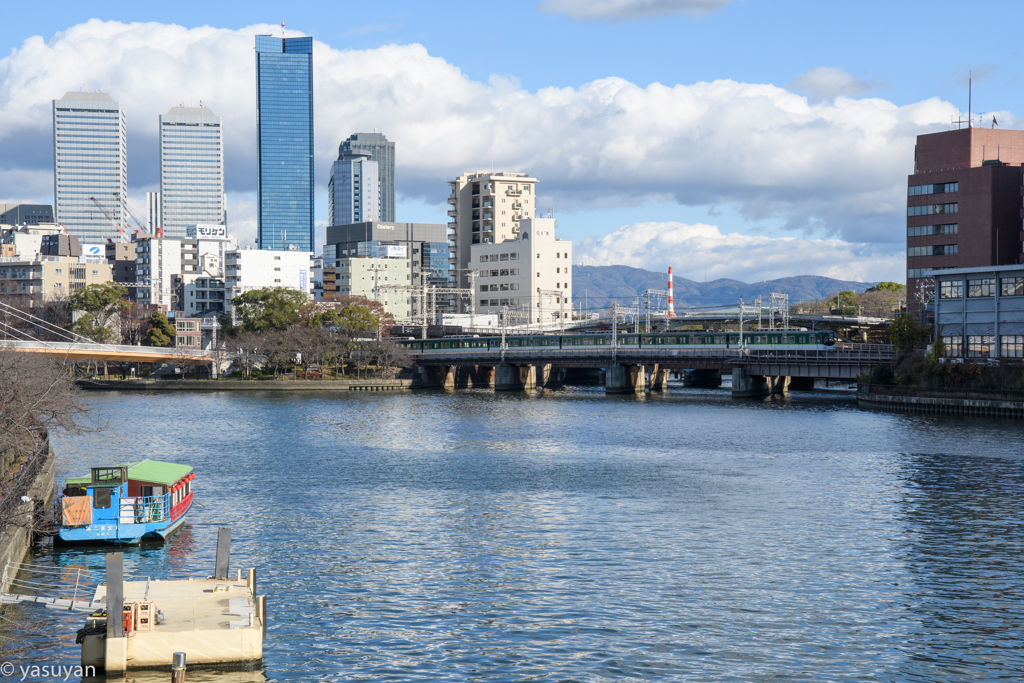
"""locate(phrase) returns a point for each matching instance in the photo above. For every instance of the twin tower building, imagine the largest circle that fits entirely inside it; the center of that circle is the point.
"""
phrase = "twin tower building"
(91, 159)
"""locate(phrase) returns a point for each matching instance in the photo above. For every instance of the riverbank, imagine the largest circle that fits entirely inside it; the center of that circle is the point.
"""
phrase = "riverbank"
(245, 385)
(18, 516)
(924, 401)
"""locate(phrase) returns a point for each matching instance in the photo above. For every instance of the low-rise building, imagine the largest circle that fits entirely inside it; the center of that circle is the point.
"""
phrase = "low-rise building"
(979, 312)
(248, 269)
(374, 279)
(43, 277)
(164, 267)
(26, 214)
(531, 274)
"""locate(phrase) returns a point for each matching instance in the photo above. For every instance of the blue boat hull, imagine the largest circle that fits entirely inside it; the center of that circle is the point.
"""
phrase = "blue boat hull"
(121, 534)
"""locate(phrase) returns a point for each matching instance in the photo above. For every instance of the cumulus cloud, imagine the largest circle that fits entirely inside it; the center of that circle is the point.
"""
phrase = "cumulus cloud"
(833, 167)
(827, 83)
(624, 10)
(698, 251)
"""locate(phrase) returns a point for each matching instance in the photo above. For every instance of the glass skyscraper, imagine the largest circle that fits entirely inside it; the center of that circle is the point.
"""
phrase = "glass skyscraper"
(353, 192)
(90, 160)
(382, 151)
(284, 143)
(191, 169)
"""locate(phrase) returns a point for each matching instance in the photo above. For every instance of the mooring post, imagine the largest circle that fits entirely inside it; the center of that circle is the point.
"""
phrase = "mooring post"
(223, 553)
(261, 607)
(115, 595)
(178, 668)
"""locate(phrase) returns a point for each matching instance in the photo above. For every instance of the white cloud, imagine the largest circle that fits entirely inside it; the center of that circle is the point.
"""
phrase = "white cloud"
(828, 83)
(699, 251)
(836, 167)
(624, 10)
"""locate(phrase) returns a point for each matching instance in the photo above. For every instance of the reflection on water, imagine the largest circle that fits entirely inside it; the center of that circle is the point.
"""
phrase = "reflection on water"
(567, 535)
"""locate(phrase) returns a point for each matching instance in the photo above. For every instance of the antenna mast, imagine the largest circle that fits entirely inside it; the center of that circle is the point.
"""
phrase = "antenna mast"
(970, 124)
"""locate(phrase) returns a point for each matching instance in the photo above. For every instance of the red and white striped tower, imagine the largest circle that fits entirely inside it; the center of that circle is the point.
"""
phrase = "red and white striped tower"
(671, 301)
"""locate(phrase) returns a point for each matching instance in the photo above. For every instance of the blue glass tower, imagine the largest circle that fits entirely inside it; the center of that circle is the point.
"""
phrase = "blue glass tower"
(284, 143)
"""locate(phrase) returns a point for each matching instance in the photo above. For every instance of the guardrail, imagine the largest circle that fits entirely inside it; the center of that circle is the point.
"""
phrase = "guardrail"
(145, 509)
(101, 348)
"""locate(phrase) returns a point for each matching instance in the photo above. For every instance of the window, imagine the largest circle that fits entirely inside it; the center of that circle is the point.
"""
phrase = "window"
(982, 287)
(558, 255)
(936, 188)
(1011, 286)
(538, 255)
(483, 288)
(101, 498)
(951, 289)
(566, 254)
(931, 209)
(981, 345)
(58, 271)
(953, 346)
(504, 272)
(1012, 346)
(567, 285)
(494, 288)
(538, 274)
(925, 230)
(483, 259)
(933, 250)
(558, 285)
(277, 258)
(504, 257)
(493, 257)
(277, 269)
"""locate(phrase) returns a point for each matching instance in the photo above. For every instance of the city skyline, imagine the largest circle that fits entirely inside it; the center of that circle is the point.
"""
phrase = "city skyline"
(801, 172)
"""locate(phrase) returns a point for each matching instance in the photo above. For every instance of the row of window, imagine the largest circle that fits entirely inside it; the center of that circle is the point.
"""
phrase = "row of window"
(498, 302)
(984, 346)
(504, 272)
(932, 209)
(933, 250)
(499, 257)
(926, 230)
(981, 287)
(504, 287)
(934, 188)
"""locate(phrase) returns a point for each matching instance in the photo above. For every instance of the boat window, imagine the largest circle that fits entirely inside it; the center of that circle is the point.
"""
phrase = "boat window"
(101, 498)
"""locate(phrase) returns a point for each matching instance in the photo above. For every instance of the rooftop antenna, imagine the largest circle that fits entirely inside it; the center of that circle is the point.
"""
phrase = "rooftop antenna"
(282, 29)
(969, 78)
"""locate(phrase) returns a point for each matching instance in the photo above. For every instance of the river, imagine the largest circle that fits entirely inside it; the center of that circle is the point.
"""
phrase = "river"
(571, 536)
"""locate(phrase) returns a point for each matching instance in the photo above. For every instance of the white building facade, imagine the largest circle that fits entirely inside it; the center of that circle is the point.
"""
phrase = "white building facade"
(353, 191)
(248, 269)
(530, 274)
(191, 169)
(373, 279)
(90, 159)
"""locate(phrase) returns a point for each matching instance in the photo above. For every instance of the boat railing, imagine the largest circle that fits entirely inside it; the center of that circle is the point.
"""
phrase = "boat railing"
(145, 509)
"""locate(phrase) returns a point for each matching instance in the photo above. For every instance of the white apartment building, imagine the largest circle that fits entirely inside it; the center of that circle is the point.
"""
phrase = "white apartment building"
(40, 277)
(90, 159)
(191, 170)
(531, 274)
(157, 261)
(487, 208)
(353, 191)
(248, 269)
(371, 277)
(164, 266)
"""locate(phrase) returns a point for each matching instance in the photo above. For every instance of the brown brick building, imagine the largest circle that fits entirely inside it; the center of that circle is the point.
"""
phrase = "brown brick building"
(964, 201)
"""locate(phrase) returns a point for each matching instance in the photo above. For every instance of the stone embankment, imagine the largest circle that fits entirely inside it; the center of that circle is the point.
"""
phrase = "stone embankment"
(938, 403)
(18, 517)
(246, 385)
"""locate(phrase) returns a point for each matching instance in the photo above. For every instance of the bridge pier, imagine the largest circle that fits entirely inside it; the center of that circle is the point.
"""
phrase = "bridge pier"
(659, 379)
(515, 377)
(624, 379)
(748, 386)
(546, 375)
(778, 385)
(705, 379)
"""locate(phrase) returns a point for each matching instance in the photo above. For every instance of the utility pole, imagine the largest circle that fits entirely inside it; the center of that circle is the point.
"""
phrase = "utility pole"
(615, 330)
(504, 318)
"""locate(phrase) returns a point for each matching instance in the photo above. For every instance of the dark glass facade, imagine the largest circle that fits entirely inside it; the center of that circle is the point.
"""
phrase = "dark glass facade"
(284, 142)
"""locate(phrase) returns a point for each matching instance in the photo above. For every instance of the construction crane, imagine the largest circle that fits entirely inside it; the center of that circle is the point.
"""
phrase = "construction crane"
(158, 231)
(117, 226)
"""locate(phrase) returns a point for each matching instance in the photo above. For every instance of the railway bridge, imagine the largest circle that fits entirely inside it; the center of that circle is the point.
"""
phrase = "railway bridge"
(755, 372)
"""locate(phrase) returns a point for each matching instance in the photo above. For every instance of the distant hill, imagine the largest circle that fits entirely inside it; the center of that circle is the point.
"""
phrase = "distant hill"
(603, 284)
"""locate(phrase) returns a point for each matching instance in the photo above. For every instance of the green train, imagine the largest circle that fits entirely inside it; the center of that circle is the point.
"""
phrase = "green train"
(774, 340)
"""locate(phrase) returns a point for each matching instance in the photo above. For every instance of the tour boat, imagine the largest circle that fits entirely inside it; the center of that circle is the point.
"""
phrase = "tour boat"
(125, 503)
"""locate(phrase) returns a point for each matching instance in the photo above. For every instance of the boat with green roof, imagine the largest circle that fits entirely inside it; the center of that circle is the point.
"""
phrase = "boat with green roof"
(126, 503)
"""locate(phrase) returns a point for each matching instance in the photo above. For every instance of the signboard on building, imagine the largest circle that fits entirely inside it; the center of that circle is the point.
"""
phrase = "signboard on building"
(209, 323)
(206, 231)
(392, 251)
(303, 280)
(94, 250)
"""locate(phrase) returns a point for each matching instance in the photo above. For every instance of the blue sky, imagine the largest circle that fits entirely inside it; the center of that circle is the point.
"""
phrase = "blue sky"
(826, 99)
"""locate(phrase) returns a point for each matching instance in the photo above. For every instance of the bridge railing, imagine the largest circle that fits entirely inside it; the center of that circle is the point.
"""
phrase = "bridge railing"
(100, 348)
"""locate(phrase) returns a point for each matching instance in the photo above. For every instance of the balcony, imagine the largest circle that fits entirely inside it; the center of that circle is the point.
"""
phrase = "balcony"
(453, 213)
(513, 191)
(488, 203)
(488, 216)
(453, 199)
(453, 225)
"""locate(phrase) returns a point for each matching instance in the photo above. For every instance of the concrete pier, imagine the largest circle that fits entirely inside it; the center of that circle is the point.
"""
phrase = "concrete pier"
(515, 377)
(748, 386)
(659, 379)
(778, 385)
(624, 379)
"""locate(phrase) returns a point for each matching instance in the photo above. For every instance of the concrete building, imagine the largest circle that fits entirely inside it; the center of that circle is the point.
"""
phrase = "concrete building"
(368, 277)
(530, 274)
(157, 260)
(979, 312)
(191, 170)
(353, 191)
(381, 152)
(426, 244)
(284, 143)
(155, 215)
(43, 277)
(164, 266)
(25, 214)
(486, 208)
(963, 202)
(248, 269)
(121, 257)
(25, 240)
(90, 160)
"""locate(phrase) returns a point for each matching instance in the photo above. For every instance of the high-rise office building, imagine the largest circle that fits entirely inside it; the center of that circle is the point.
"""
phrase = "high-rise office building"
(381, 151)
(963, 202)
(191, 169)
(154, 214)
(90, 160)
(284, 143)
(353, 192)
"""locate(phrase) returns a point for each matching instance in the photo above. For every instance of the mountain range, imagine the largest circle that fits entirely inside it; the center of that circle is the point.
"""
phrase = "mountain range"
(599, 286)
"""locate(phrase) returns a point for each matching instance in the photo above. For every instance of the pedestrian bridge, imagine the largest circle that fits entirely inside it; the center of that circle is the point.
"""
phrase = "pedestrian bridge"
(117, 353)
(627, 370)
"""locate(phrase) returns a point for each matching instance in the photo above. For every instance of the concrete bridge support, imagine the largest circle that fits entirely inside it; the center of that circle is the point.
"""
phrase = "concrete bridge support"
(778, 385)
(748, 386)
(469, 376)
(515, 377)
(548, 376)
(658, 379)
(624, 379)
(705, 379)
(801, 384)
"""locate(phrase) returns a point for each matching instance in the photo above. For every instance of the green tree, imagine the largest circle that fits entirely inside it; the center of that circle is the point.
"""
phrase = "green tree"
(269, 308)
(102, 303)
(356, 319)
(161, 332)
(907, 333)
(87, 327)
(887, 287)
